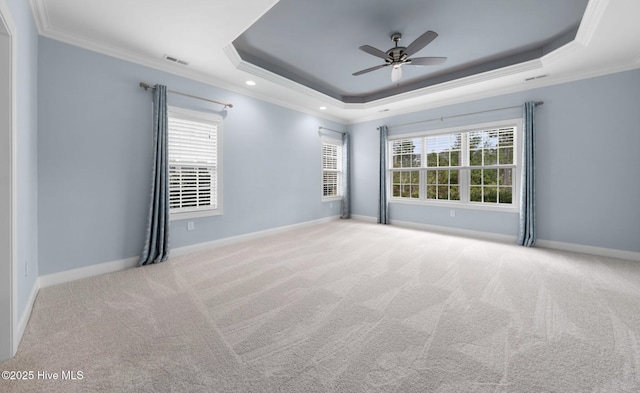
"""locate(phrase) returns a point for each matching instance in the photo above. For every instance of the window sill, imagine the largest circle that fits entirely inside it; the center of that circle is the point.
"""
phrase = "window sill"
(456, 205)
(331, 199)
(194, 214)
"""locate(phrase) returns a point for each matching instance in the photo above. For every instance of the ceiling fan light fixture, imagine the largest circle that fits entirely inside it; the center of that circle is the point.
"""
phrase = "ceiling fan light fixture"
(396, 73)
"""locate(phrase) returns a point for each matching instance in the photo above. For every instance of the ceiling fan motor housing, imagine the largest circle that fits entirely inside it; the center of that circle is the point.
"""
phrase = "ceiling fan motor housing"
(396, 55)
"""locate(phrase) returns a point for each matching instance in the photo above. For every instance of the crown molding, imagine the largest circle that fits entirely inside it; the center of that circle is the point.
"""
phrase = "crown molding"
(424, 96)
(260, 72)
(40, 15)
(454, 84)
(590, 20)
(567, 50)
(46, 30)
(245, 66)
(524, 86)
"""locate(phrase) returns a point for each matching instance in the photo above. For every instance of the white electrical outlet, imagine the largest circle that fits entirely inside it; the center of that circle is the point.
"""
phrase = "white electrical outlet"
(190, 226)
(452, 213)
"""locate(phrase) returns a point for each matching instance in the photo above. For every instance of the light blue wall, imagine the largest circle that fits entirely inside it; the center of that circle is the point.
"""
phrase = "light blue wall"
(94, 154)
(94, 159)
(27, 146)
(588, 166)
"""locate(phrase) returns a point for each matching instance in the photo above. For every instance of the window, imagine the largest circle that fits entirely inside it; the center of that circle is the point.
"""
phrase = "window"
(195, 174)
(331, 168)
(472, 166)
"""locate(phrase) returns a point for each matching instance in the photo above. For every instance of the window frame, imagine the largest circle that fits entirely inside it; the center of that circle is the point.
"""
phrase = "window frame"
(324, 140)
(202, 117)
(464, 168)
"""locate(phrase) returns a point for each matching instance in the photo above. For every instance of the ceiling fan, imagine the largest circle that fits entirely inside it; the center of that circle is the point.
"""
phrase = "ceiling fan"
(397, 56)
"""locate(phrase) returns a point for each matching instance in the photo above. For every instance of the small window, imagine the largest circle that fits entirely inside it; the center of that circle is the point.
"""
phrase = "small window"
(331, 168)
(195, 173)
(473, 166)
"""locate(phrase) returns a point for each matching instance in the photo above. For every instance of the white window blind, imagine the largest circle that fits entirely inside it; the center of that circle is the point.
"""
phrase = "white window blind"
(193, 164)
(331, 168)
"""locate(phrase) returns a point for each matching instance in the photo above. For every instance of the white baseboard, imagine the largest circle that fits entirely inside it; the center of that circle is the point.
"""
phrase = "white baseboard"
(495, 237)
(122, 264)
(114, 266)
(87, 271)
(580, 248)
(442, 229)
(26, 314)
(365, 218)
(550, 244)
(176, 252)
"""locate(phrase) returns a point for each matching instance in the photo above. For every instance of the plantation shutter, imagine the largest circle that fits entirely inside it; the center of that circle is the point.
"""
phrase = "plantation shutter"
(192, 165)
(331, 167)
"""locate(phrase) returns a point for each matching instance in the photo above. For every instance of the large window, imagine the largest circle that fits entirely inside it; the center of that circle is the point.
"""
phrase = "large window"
(331, 168)
(195, 175)
(471, 166)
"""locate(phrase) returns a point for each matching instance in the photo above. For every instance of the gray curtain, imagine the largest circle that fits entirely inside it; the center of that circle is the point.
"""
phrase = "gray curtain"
(346, 178)
(383, 205)
(527, 235)
(156, 243)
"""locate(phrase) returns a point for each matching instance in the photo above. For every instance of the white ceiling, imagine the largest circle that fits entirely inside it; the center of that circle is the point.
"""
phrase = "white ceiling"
(200, 32)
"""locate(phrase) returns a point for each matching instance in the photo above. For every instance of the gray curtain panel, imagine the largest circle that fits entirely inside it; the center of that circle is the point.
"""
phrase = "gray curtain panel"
(383, 205)
(156, 243)
(346, 177)
(527, 234)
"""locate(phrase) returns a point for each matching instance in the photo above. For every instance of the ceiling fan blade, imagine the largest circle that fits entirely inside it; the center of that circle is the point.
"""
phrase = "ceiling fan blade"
(422, 61)
(373, 51)
(420, 42)
(369, 69)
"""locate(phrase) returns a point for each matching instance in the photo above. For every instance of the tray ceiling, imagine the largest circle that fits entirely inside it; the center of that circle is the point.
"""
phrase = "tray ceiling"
(315, 43)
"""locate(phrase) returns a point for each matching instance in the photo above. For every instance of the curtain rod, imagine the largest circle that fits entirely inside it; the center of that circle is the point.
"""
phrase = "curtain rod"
(147, 86)
(461, 115)
(329, 129)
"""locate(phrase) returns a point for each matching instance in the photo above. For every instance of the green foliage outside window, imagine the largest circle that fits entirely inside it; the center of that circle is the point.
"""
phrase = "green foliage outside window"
(488, 170)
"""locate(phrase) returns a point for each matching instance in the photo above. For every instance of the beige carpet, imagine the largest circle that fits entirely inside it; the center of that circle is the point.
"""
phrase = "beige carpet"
(345, 306)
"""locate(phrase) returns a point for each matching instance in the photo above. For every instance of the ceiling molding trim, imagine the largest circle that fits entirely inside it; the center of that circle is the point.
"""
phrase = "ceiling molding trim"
(233, 55)
(45, 29)
(242, 65)
(162, 65)
(40, 15)
(591, 19)
(510, 89)
(260, 72)
(454, 84)
(589, 74)
(568, 49)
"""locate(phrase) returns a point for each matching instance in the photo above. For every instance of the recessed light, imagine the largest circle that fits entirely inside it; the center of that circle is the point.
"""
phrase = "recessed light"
(322, 108)
(250, 83)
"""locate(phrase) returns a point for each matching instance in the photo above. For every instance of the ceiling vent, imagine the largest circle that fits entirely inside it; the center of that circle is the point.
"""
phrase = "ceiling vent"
(175, 60)
(536, 77)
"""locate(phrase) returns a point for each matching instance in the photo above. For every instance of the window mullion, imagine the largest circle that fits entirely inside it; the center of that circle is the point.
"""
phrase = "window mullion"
(423, 172)
(464, 171)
